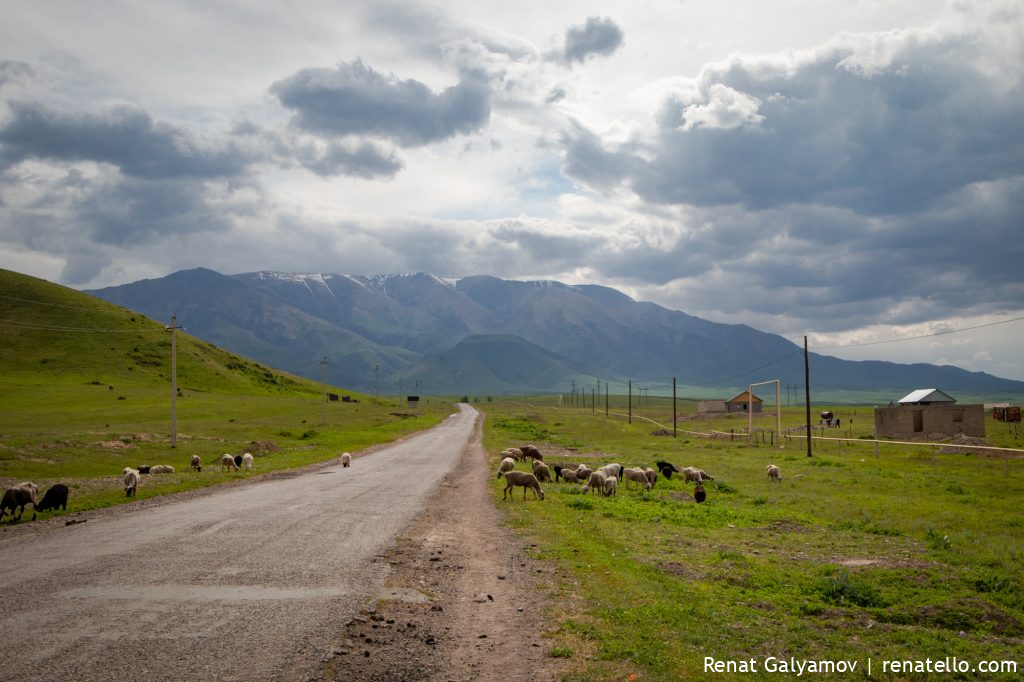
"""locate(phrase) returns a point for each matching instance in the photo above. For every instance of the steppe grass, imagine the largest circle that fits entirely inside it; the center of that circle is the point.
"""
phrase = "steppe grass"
(907, 556)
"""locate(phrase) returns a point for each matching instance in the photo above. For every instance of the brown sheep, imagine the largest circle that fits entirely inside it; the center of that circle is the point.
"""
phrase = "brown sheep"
(526, 480)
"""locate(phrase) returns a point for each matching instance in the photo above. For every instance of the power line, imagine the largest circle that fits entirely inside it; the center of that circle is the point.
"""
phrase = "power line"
(43, 327)
(922, 336)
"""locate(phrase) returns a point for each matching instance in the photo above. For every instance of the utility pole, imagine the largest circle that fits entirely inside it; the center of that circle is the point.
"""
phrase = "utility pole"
(807, 395)
(323, 398)
(174, 381)
(593, 402)
(572, 401)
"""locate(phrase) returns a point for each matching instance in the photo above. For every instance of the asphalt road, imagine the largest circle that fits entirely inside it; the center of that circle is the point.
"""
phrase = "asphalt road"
(251, 583)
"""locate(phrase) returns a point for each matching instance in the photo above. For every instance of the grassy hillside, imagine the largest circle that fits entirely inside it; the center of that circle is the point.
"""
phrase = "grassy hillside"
(85, 390)
(910, 555)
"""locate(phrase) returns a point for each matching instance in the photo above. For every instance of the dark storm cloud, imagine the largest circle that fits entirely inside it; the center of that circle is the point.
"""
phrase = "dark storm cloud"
(364, 160)
(353, 99)
(598, 36)
(832, 128)
(125, 137)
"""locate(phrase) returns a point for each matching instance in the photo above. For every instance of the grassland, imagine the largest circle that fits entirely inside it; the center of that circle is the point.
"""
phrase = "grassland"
(910, 555)
(85, 390)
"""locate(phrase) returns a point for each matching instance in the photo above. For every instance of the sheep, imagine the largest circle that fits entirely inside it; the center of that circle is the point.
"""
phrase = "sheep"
(595, 481)
(227, 463)
(695, 474)
(131, 481)
(18, 497)
(541, 471)
(583, 472)
(195, 464)
(613, 469)
(143, 468)
(774, 473)
(698, 493)
(531, 452)
(566, 474)
(514, 453)
(610, 484)
(636, 475)
(506, 465)
(161, 469)
(652, 475)
(247, 461)
(56, 496)
(667, 469)
(526, 480)
(346, 459)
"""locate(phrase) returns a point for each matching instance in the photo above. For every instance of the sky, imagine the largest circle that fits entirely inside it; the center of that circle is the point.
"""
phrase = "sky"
(848, 170)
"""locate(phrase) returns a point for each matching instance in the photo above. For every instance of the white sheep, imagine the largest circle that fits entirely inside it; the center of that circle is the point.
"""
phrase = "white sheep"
(131, 481)
(696, 475)
(161, 469)
(247, 461)
(636, 475)
(195, 464)
(541, 470)
(18, 497)
(346, 459)
(774, 473)
(595, 482)
(652, 475)
(514, 453)
(610, 485)
(506, 465)
(568, 475)
(614, 470)
(526, 480)
(227, 463)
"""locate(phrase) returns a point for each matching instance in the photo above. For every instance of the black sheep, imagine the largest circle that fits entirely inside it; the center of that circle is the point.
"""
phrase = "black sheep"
(667, 469)
(698, 493)
(56, 496)
(558, 472)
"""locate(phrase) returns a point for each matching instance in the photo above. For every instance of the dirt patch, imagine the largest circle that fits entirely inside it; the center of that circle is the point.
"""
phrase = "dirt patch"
(462, 601)
(784, 526)
(681, 496)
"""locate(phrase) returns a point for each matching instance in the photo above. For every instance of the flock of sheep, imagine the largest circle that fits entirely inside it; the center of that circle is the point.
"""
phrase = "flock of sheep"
(26, 493)
(605, 479)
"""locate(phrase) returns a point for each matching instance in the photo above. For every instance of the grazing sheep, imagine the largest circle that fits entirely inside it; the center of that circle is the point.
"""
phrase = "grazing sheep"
(595, 481)
(238, 461)
(614, 469)
(610, 484)
(652, 475)
(17, 498)
(514, 453)
(568, 475)
(143, 469)
(695, 474)
(506, 465)
(583, 472)
(636, 475)
(531, 452)
(541, 471)
(667, 469)
(698, 493)
(774, 473)
(346, 459)
(56, 496)
(247, 461)
(131, 481)
(521, 478)
(195, 464)
(161, 469)
(227, 463)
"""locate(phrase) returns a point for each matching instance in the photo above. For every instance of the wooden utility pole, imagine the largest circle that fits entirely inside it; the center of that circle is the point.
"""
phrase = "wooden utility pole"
(807, 396)
(174, 381)
(675, 429)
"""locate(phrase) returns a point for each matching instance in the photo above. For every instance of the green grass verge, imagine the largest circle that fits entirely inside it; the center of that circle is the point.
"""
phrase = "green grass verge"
(907, 556)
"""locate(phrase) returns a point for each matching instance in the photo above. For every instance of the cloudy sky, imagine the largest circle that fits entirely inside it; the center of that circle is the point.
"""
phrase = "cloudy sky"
(852, 170)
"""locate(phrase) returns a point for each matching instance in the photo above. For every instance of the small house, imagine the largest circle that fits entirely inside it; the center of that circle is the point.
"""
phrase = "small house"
(743, 402)
(927, 412)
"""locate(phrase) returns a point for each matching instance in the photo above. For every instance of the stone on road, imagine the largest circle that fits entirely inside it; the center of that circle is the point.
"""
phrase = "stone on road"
(253, 582)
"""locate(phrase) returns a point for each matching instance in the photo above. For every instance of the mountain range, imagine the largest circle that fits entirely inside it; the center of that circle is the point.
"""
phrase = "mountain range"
(485, 335)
